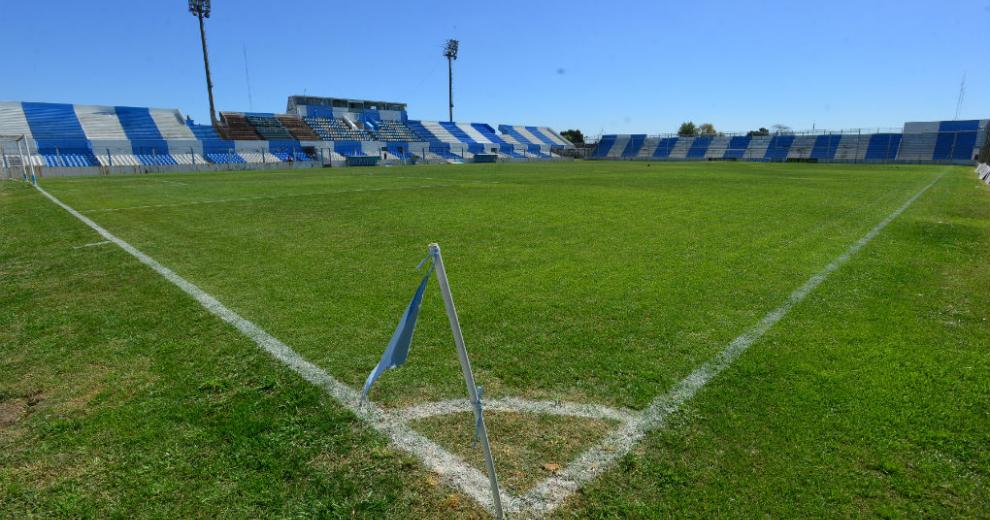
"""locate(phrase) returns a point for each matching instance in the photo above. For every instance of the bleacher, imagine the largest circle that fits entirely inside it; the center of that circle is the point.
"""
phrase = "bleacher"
(147, 142)
(633, 146)
(649, 147)
(427, 131)
(852, 147)
(394, 131)
(924, 142)
(736, 147)
(298, 128)
(58, 135)
(618, 147)
(63, 136)
(268, 127)
(337, 129)
(699, 147)
(543, 136)
(665, 147)
(800, 147)
(238, 128)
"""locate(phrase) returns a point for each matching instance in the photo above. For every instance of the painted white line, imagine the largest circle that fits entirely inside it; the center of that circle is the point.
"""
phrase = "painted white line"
(454, 470)
(516, 405)
(94, 244)
(550, 493)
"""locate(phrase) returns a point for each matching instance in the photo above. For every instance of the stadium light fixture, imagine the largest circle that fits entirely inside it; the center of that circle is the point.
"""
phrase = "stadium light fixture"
(450, 52)
(201, 9)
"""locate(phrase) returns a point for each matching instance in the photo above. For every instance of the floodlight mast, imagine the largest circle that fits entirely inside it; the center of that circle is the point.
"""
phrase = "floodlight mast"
(450, 52)
(201, 9)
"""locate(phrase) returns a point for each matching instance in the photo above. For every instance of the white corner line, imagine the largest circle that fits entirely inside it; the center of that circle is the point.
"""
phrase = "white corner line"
(549, 494)
(451, 468)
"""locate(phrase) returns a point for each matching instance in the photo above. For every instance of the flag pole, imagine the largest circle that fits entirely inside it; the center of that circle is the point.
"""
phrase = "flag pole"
(448, 302)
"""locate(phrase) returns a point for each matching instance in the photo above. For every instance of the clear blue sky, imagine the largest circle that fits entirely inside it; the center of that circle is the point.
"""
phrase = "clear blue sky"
(617, 66)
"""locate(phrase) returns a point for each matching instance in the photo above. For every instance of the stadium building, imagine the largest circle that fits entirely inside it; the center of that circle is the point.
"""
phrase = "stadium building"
(65, 139)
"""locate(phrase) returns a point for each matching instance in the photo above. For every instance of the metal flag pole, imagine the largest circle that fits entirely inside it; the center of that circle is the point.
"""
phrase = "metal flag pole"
(473, 391)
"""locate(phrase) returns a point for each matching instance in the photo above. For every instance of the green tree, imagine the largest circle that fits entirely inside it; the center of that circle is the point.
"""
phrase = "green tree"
(575, 136)
(707, 129)
(687, 129)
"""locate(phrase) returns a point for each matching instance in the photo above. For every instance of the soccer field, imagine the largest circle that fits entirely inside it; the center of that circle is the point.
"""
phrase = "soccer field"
(680, 339)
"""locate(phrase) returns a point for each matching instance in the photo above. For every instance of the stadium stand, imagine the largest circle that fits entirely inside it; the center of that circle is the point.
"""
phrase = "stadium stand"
(717, 147)
(956, 140)
(736, 147)
(633, 146)
(268, 127)
(800, 147)
(298, 128)
(619, 146)
(665, 147)
(238, 128)
(699, 147)
(648, 148)
(147, 141)
(58, 135)
(314, 130)
(757, 149)
(604, 146)
(337, 129)
(479, 133)
(533, 135)
(394, 131)
(935, 141)
(850, 147)
(825, 147)
(681, 147)
(882, 147)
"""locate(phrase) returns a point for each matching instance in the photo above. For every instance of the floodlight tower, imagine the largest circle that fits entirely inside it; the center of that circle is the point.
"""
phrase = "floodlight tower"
(201, 9)
(450, 52)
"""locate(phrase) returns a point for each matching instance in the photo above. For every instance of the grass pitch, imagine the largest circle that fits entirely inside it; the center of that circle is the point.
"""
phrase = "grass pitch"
(599, 283)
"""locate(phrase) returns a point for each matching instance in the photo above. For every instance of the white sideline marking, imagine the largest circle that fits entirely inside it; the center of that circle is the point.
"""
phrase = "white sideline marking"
(94, 244)
(451, 468)
(550, 493)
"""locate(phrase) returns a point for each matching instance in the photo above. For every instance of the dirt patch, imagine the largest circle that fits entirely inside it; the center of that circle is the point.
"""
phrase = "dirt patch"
(528, 448)
(11, 411)
(14, 409)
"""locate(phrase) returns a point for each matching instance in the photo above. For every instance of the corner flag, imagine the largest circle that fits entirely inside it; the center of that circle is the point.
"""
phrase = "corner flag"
(398, 350)
(398, 347)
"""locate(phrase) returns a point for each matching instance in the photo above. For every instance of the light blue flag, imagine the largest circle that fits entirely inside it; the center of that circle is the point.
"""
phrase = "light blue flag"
(398, 347)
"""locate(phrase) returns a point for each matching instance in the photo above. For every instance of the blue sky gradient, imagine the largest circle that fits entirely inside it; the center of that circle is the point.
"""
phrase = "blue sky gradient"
(617, 67)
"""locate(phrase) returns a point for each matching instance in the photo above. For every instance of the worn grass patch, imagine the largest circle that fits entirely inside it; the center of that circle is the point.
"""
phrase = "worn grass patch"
(527, 448)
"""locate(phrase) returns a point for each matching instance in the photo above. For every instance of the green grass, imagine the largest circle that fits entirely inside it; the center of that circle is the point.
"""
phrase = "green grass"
(589, 282)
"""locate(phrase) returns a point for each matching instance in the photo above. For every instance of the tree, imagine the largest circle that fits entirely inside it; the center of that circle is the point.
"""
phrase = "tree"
(780, 129)
(707, 129)
(574, 136)
(687, 129)
(758, 133)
